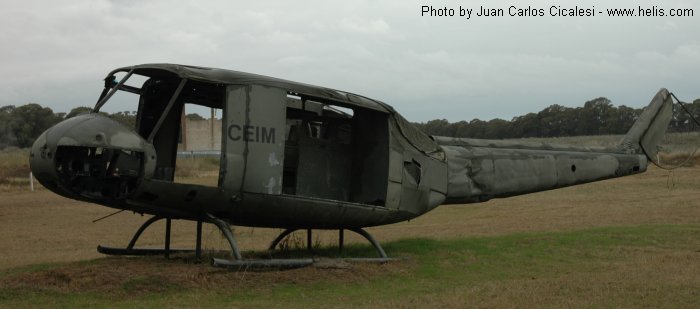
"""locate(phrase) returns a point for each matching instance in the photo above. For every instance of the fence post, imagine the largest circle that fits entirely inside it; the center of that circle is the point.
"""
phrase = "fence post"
(31, 181)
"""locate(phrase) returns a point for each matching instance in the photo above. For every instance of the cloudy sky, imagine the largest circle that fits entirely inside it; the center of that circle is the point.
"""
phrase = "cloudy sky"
(56, 52)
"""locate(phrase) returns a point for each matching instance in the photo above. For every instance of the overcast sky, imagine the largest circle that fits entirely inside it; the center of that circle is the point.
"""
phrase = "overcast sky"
(57, 52)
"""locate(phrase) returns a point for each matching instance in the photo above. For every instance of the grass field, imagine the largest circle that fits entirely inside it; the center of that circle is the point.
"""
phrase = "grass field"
(635, 266)
(671, 142)
(14, 169)
(628, 242)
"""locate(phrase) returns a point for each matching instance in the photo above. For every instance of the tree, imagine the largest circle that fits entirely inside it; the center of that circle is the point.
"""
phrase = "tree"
(553, 120)
(29, 121)
(597, 116)
(77, 111)
(437, 127)
(7, 138)
(526, 126)
(621, 119)
(594, 117)
(496, 129)
(194, 116)
(126, 118)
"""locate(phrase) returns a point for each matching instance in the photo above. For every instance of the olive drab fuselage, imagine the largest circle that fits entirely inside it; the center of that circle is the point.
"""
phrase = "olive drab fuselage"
(300, 156)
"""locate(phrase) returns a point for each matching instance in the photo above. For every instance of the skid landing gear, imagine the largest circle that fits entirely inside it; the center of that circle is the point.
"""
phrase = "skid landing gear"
(237, 262)
(166, 251)
(341, 239)
(292, 263)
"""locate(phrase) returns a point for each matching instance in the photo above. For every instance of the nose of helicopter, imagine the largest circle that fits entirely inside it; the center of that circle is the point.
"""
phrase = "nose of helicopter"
(91, 156)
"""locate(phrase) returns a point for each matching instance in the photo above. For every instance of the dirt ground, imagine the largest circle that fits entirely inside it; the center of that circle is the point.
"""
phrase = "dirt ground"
(41, 227)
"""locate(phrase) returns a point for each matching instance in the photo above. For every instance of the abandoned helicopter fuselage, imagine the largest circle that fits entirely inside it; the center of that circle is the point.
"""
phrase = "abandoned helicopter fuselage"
(300, 156)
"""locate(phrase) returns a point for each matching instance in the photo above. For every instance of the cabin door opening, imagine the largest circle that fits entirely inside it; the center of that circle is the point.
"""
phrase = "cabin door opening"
(183, 156)
(334, 152)
(199, 146)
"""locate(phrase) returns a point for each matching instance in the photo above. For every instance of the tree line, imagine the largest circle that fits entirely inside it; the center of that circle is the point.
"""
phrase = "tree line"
(21, 125)
(596, 117)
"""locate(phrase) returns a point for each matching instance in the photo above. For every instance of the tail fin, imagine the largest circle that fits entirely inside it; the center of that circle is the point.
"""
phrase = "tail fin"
(646, 133)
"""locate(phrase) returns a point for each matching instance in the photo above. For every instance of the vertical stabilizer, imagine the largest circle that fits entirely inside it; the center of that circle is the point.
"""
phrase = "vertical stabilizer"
(647, 132)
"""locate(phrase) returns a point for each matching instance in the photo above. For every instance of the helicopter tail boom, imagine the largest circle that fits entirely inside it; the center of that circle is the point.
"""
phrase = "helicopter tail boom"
(479, 170)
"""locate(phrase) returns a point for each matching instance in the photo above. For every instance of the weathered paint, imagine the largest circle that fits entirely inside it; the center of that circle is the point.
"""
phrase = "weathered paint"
(483, 169)
(480, 173)
(332, 184)
(256, 112)
(235, 150)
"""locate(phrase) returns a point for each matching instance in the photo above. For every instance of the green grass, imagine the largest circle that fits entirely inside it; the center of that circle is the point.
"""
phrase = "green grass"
(479, 271)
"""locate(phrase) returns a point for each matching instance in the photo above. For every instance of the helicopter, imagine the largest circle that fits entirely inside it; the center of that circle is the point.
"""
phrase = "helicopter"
(296, 156)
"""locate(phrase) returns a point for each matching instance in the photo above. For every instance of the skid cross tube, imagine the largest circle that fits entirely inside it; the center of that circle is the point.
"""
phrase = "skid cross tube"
(226, 229)
(371, 239)
(341, 239)
(198, 244)
(130, 250)
(238, 262)
(168, 222)
(279, 238)
(143, 227)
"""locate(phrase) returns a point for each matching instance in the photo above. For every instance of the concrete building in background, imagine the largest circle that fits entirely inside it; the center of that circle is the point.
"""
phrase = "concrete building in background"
(200, 135)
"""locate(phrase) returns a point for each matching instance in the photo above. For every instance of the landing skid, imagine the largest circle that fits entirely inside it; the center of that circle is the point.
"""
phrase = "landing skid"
(293, 263)
(166, 251)
(341, 239)
(238, 262)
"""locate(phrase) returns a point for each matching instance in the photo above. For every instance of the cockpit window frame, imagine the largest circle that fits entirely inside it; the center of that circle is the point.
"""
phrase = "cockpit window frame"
(104, 97)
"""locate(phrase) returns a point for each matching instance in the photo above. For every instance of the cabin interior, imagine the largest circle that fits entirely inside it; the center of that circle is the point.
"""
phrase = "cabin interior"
(332, 150)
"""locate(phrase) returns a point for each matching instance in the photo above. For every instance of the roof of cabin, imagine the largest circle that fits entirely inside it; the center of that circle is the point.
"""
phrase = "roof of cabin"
(224, 76)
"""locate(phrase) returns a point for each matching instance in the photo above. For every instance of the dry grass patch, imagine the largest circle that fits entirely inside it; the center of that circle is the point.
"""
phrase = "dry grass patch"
(193, 167)
(202, 170)
(14, 169)
(46, 228)
(678, 159)
(461, 255)
(134, 277)
(643, 266)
